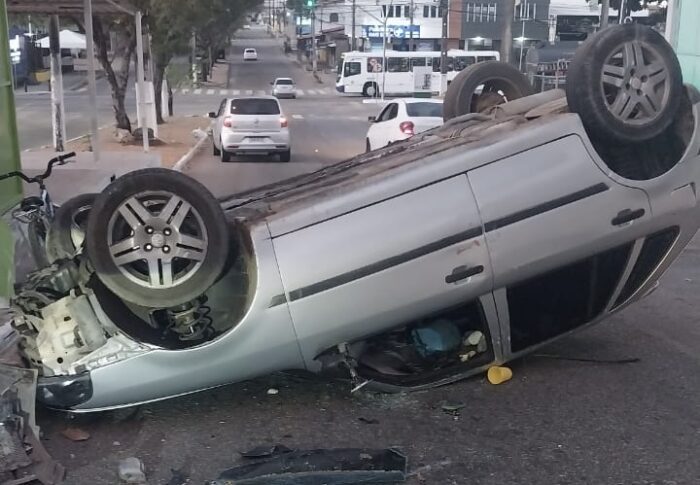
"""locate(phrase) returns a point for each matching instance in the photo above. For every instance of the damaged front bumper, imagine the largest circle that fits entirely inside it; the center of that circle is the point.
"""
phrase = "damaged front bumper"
(64, 392)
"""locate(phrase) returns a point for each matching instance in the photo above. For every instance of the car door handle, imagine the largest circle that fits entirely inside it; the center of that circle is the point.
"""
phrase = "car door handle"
(627, 215)
(462, 273)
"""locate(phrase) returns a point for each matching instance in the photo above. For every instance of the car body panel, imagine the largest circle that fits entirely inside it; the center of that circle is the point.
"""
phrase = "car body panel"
(428, 232)
(159, 373)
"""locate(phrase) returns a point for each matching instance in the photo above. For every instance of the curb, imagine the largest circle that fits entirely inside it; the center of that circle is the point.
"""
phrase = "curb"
(184, 162)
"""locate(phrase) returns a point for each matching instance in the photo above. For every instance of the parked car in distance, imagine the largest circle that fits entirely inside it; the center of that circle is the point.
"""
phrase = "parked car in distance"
(250, 54)
(284, 87)
(250, 126)
(401, 119)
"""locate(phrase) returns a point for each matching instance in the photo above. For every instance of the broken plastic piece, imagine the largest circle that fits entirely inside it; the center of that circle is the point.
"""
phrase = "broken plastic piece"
(439, 337)
(131, 470)
(498, 375)
(332, 467)
(265, 451)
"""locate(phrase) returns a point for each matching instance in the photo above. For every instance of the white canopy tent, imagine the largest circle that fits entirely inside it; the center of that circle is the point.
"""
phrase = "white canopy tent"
(67, 40)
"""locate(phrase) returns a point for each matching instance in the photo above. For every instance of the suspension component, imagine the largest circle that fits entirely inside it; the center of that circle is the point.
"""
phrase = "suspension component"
(191, 320)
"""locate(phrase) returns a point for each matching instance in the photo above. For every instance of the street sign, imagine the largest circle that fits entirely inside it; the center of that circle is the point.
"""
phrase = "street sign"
(15, 52)
(396, 31)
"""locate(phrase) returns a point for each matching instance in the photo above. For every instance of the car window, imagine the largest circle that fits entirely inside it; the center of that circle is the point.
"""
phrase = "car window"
(424, 109)
(222, 107)
(352, 69)
(389, 113)
(250, 51)
(254, 106)
(287, 82)
(417, 61)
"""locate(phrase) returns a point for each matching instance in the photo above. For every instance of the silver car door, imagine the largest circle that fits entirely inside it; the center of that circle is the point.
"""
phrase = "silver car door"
(552, 205)
(385, 264)
(219, 121)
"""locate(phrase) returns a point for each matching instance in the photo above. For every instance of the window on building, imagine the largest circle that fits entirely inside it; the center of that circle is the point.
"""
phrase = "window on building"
(333, 17)
(480, 11)
(431, 11)
(407, 11)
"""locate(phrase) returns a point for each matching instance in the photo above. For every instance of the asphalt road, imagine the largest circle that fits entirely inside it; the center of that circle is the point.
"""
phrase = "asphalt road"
(557, 421)
(325, 127)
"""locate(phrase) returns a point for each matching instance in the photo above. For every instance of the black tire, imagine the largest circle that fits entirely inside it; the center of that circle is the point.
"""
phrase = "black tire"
(72, 215)
(367, 87)
(495, 76)
(225, 156)
(368, 147)
(644, 108)
(215, 151)
(203, 209)
(285, 157)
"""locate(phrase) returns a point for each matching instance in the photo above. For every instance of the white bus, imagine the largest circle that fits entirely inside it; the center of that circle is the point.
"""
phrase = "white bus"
(363, 72)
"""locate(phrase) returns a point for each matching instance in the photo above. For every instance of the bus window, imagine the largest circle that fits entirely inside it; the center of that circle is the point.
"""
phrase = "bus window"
(436, 64)
(485, 58)
(374, 64)
(417, 62)
(352, 69)
(464, 62)
(397, 64)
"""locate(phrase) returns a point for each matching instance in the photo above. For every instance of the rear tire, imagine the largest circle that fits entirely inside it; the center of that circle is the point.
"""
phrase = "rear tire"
(369, 90)
(495, 76)
(626, 84)
(368, 147)
(67, 231)
(225, 156)
(215, 150)
(285, 157)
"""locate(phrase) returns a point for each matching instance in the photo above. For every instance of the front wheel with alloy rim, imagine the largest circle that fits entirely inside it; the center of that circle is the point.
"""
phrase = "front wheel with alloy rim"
(157, 238)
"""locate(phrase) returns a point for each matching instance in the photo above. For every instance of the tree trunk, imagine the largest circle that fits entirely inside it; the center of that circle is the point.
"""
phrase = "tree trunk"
(116, 69)
(507, 31)
(159, 74)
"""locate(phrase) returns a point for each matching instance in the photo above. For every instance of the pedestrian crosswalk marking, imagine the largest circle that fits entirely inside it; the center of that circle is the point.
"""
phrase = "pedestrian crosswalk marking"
(197, 91)
(223, 92)
(298, 117)
(236, 92)
(311, 92)
(249, 92)
(185, 91)
(210, 91)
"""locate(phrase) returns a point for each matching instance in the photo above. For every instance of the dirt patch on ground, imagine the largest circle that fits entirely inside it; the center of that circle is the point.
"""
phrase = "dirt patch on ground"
(175, 139)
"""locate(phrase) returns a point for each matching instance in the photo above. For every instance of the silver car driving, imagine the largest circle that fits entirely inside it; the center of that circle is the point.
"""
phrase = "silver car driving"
(284, 87)
(250, 126)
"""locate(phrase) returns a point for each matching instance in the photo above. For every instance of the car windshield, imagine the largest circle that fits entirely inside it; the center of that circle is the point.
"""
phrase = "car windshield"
(250, 51)
(254, 106)
(288, 82)
(424, 109)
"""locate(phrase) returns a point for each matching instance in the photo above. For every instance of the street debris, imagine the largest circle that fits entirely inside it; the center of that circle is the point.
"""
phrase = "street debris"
(342, 466)
(23, 458)
(75, 434)
(368, 420)
(265, 451)
(180, 477)
(498, 375)
(453, 408)
(131, 470)
(272, 391)
(439, 337)
(123, 137)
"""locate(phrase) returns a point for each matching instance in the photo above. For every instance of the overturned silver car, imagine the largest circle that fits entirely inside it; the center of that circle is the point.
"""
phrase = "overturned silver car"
(407, 267)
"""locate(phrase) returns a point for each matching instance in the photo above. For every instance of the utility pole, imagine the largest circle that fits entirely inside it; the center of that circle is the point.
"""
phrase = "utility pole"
(507, 31)
(353, 43)
(410, 28)
(57, 109)
(621, 12)
(314, 56)
(604, 13)
(443, 47)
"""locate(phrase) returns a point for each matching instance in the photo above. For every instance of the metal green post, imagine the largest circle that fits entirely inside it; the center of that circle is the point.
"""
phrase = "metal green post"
(10, 190)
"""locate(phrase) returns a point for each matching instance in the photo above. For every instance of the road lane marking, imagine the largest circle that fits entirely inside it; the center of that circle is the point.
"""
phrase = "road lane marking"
(261, 93)
(184, 91)
(298, 117)
(197, 91)
(249, 92)
(300, 92)
(223, 92)
(236, 92)
(210, 91)
(310, 92)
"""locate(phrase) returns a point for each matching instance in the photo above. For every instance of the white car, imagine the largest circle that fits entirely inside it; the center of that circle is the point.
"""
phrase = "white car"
(284, 87)
(250, 54)
(401, 119)
(250, 126)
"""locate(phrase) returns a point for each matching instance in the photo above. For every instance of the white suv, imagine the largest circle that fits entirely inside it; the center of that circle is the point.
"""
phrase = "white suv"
(250, 55)
(250, 126)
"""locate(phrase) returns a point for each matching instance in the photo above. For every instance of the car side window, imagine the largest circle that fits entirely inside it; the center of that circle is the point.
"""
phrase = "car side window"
(391, 112)
(383, 113)
(222, 108)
